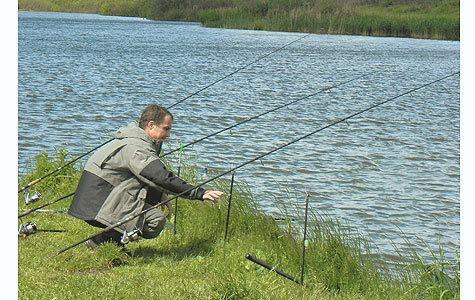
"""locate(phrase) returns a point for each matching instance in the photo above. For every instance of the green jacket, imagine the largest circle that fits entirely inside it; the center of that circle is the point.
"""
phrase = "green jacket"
(118, 176)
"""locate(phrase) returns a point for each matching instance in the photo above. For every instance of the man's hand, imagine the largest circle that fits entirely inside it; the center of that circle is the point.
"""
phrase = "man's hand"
(212, 196)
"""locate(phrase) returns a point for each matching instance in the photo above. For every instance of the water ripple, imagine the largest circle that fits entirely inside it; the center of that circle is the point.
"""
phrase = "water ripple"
(392, 169)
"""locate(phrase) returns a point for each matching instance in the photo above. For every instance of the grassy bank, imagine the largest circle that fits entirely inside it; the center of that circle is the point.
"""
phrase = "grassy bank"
(197, 264)
(435, 19)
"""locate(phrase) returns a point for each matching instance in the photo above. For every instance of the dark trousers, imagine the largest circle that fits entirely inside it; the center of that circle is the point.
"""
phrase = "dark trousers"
(154, 221)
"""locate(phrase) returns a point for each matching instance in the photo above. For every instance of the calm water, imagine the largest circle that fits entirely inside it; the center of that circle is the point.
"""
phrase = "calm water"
(393, 169)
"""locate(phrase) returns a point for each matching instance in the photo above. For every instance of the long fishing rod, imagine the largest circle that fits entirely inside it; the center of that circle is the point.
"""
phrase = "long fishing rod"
(176, 103)
(239, 69)
(131, 217)
(29, 211)
(266, 112)
(181, 147)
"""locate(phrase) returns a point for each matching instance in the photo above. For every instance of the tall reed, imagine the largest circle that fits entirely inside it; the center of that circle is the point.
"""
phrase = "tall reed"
(400, 18)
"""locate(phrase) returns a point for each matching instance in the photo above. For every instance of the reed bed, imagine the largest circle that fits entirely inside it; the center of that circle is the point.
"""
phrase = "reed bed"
(398, 18)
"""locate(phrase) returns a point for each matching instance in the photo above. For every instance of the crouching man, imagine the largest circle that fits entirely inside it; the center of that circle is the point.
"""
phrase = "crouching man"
(126, 176)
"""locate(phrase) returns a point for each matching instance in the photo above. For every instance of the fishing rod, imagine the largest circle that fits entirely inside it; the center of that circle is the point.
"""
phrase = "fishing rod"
(176, 200)
(239, 69)
(182, 146)
(305, 242)
(176, 103)
(52, 210)
(61, 167)
(266, 112)
(269, 267)
(29, 211)
(305, 246)
(131, 217)
(229, 208)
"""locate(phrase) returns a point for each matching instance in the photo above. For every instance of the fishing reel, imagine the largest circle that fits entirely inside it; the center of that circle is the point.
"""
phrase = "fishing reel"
(27, 229)
(31, 228)
(130, 236)
(35, 197)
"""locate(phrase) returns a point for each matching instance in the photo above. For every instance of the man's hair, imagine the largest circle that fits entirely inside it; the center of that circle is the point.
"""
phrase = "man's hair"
(155, 113)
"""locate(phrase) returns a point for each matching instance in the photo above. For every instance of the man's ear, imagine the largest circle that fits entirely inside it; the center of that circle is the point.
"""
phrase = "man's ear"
(150, 124)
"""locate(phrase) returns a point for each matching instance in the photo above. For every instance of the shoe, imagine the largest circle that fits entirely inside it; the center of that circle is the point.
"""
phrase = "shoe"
(94, 242)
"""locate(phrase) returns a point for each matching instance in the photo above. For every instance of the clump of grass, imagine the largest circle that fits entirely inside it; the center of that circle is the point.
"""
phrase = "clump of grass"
(437, 278)
(338, 258)
(61, 183)
(197, 263)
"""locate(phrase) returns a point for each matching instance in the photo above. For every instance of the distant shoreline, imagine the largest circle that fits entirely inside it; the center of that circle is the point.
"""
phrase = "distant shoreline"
(427, 21)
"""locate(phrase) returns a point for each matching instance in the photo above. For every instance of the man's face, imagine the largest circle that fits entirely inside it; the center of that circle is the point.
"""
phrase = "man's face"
(160, 131)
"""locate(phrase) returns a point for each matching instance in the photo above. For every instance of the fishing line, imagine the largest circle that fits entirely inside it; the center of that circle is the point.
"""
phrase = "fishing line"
(267, 112)
(234, 72)
(131, 217)
(182, 146)
(305, 246)
(176, 103)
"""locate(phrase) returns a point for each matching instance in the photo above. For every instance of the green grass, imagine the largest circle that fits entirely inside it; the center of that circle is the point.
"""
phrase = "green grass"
(197, 264)
(361, 20)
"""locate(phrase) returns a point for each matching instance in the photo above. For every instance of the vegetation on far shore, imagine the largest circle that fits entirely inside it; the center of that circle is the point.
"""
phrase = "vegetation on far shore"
(196, 263)
(434, 19)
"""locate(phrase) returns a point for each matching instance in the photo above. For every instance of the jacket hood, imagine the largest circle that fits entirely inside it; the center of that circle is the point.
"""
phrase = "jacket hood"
(134, 131)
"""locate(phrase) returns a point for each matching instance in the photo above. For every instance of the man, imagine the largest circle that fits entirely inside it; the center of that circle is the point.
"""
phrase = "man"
(126, 176)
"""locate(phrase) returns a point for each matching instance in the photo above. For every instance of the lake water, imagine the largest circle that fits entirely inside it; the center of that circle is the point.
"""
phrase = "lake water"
(393, 169)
